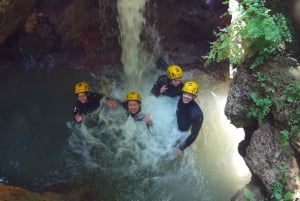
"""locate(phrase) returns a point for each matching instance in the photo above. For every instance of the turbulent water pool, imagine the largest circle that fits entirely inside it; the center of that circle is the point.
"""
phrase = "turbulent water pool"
(41, 146)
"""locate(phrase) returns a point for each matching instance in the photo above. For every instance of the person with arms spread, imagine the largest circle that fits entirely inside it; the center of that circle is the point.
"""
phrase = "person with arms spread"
(189, 114)
(169, 84)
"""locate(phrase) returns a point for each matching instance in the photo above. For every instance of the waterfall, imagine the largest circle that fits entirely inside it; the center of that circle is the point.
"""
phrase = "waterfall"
(134, 59)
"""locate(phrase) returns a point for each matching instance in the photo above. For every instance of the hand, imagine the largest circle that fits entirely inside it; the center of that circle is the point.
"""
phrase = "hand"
(148, 120)
(78, 118)
(163, 89)
(179, 151)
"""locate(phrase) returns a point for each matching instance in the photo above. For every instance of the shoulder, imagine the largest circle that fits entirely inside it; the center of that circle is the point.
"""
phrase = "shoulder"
(124, 105)
(77, 105)
(196, 110)
(163, 78)
(96, 95)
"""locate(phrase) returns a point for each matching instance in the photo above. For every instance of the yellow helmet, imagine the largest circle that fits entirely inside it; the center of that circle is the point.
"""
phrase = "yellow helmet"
(191, 88)
(174, 72)
(133, 95)
(82, 87)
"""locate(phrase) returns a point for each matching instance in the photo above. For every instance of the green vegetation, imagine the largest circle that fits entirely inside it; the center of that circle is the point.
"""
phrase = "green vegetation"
(249, 195)
(277, 92)
(272, 97)
(261, 109)
(278, 192)
(253, 38)
(291, 96)
(255, 35)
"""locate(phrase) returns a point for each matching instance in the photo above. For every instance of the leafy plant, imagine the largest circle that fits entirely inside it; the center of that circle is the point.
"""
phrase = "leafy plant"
(249, 195)
(261, 109)
(284, 137)
(291, 96)
(294, 121)
(254, 35)
(279, 192)
(279, 91)
(291, 93)
(252, 38)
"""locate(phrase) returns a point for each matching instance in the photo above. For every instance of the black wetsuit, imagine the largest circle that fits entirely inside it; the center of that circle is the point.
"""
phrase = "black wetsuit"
(92, 104)
(189, 115)
(172, 91)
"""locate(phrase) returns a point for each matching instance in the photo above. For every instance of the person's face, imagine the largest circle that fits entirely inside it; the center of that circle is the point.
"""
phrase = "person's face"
(186, 98)
(82, 97)
(133, 106)
(176, 82)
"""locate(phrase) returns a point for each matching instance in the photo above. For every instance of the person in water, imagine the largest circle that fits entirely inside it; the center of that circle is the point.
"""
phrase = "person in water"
(189, 114)
(86, 102)
(169, 84)
(133, 108)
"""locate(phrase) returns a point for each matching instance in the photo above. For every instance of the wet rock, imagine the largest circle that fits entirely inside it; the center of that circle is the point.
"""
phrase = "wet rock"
(261, 148)
(295, 142)
(11, 14)
(238, 100)
(61, 192)
(12, 193)
(253, 191)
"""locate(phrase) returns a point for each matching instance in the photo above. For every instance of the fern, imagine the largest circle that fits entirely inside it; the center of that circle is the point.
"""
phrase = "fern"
(256, 31)
(261, 108)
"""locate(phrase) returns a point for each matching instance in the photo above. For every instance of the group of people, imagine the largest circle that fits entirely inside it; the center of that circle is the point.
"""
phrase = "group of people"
(189, 114)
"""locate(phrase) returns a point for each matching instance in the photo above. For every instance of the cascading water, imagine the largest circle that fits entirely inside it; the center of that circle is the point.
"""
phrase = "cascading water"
(130, 161)
(130, 21)
(135, 61)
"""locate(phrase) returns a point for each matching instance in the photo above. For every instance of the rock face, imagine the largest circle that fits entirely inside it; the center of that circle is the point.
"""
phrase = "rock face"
(11, 193)
(269, 162)
(242, 84)
(67, 31)
(75, 192)
(265, 157)
(11, 14)
(85, 34)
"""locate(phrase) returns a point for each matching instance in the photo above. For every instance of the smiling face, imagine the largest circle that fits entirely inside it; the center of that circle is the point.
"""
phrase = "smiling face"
(82, 97)
(176, 82)
(133, 106)
(186, 98)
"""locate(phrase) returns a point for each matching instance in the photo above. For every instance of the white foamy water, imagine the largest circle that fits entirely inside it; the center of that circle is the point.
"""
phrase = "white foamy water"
(210, 169)
(141, 163)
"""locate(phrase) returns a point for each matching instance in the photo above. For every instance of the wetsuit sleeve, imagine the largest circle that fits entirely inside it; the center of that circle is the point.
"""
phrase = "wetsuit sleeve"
(196, 126)
(161, 80)
(76, 109)
(97, 97)
(174, 91)
(139, 117)
(124, 105)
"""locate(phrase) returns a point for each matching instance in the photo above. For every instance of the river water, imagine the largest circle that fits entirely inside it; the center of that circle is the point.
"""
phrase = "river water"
(41, 146)
(125, 160)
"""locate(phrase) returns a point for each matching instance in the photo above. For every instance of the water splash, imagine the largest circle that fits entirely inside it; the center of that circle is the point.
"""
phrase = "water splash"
(143, 161)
